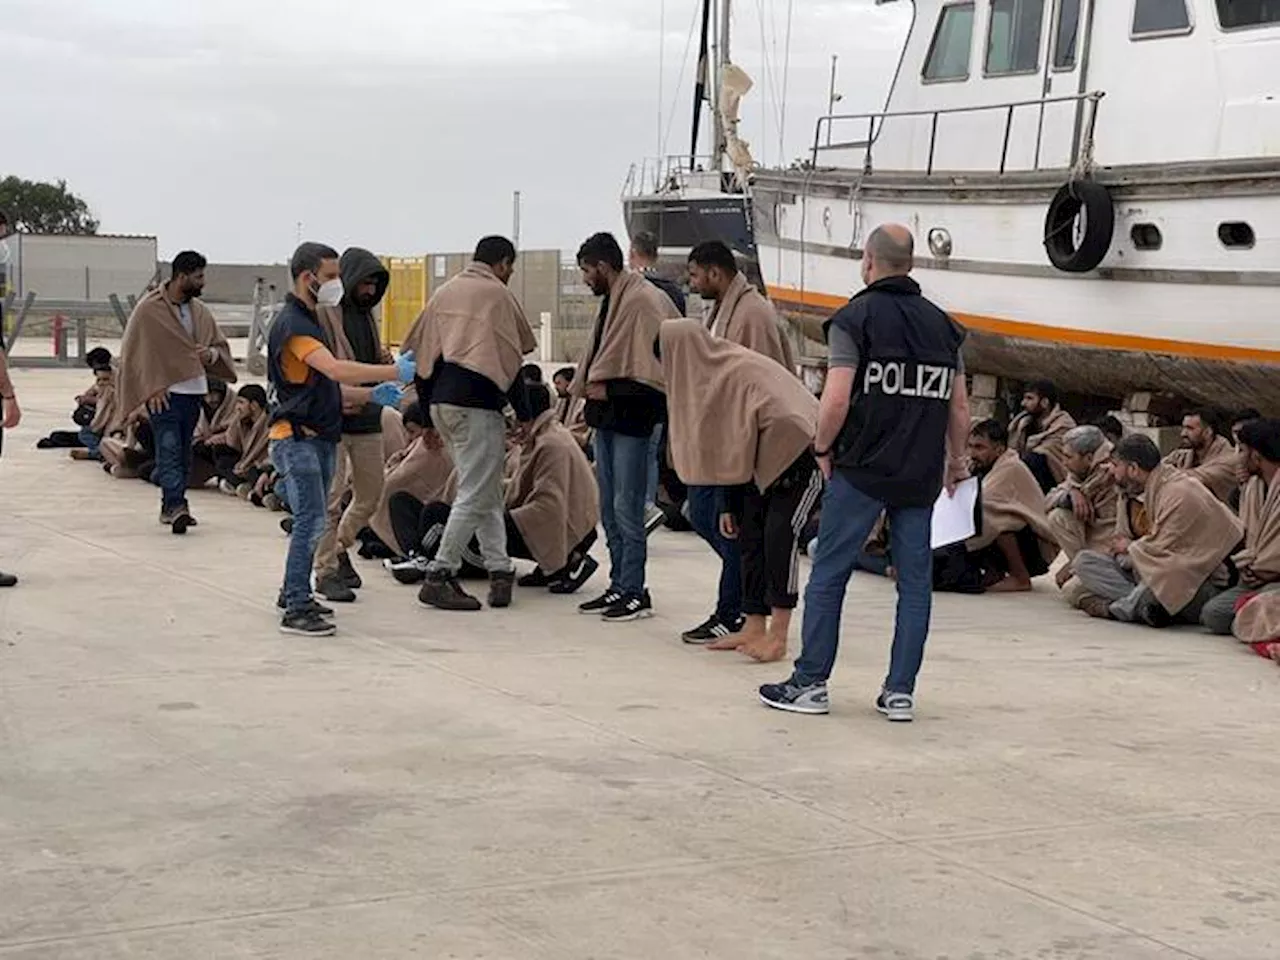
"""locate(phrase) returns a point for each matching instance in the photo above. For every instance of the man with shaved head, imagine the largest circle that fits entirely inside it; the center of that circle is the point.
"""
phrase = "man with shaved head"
(893, 429)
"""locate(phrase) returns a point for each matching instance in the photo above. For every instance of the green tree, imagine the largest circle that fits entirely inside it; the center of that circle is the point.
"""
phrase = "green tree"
(35, 207)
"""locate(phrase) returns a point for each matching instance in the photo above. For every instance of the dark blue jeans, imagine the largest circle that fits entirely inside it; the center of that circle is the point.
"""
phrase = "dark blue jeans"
(306, 467)
(622, 470)
(173, 429)
(704, 517)
(92, 443)
(848, 517)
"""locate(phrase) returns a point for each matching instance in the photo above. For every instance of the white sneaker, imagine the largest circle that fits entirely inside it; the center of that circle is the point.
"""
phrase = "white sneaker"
(898, 707)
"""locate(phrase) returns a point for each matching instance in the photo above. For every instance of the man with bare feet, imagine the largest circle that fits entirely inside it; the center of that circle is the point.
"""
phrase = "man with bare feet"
(742, 423)
(1016, 543)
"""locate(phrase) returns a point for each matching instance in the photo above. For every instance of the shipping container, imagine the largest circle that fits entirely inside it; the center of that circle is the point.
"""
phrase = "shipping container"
(56, 267)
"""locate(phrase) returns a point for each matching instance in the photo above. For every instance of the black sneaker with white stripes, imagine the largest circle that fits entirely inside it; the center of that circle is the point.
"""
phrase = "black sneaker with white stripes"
(713, 629)
(634, 607)
(602, 603)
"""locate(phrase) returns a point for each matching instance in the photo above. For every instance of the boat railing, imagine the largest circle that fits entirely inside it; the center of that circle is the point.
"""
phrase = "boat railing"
(671, 174)
(1081, 151)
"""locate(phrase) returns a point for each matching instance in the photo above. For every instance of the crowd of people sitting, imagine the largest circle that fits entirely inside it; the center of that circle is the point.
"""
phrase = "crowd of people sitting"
(706, 418)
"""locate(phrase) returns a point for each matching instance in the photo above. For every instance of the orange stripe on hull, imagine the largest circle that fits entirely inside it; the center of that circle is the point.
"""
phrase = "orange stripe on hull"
(1064, 335)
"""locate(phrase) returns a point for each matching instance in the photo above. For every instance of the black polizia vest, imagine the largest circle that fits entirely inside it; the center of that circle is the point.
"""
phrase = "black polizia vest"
(893, 443)
(316, 403)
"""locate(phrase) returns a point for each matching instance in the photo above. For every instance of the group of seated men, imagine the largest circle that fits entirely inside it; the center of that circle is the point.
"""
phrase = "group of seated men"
(1192, 537)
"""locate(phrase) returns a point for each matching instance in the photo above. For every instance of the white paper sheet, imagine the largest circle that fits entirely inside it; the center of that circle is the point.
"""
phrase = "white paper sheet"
(953, 517)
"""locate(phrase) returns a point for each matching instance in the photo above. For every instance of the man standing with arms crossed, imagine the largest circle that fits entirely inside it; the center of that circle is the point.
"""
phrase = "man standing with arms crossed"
(892, 430)
(306, 418)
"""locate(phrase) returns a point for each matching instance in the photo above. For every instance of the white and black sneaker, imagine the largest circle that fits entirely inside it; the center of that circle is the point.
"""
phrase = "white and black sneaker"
(713, 629)
(898, 707)
(410, 570)
(602, 603)
(653, 519)
(306, 623)
(795, 697)
(634, 607)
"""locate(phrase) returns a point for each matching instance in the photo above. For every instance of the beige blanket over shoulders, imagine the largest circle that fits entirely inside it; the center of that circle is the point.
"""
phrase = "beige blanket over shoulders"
(106, 414)
(1012, 499)
(253, 441)
(745, 317)
(1260, 513)
(208, 427)
(1192, 533)
(157, 351)
(394, 436)
(1047, 438)
(554, 499)
(626, 336)
(1259, 620)
(422, 472)
(571, 413)
(473, 321)
(1216, 470)
(1099, 489)
(734, 416)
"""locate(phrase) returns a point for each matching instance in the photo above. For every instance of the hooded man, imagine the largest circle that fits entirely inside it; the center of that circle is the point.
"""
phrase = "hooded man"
(353, 330)
(1036, 433)
(172, 345)
(1171, 573)
(1259, 562)
(1082, 509)
(1205, 455)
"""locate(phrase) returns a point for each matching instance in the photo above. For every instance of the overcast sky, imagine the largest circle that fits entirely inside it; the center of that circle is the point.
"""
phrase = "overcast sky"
(401, 125)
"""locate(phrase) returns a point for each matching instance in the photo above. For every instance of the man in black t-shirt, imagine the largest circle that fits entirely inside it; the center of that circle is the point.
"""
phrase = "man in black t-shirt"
(894, 406)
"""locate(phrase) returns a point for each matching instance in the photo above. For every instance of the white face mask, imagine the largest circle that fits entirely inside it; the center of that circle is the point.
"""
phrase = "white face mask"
(330, 293)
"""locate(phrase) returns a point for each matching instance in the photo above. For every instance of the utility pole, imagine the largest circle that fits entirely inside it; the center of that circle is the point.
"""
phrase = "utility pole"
(723, 33)
(832, 98)
(515, 219)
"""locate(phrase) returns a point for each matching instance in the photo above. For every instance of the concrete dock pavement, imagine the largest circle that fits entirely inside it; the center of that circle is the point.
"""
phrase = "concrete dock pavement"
(178, 780)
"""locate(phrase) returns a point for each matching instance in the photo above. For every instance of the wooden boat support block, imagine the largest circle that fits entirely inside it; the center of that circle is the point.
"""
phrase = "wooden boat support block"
(982, 408)
(1138, 402)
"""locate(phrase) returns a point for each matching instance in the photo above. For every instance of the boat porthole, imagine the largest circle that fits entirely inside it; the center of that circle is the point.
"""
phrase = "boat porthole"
(826, 219)
(1146, 236)
(1236, 235)
(940, 242)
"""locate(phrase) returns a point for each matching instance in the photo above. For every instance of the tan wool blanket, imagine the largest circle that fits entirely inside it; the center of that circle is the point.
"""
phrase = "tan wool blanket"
(735, 416)
(626, 336)
(1216, 469)
(1260, 513)
(1192, 533)
(747, 318)
(252, 440)
(554, 499)
(1046, 440)
(1099, 489)
(473, 321)
(209, 427)
(1259, 620)
(572, 414)
(331, 322)
(106, 415)
(394, 436)
(422, 472)
(1012, 499)
(157, 351)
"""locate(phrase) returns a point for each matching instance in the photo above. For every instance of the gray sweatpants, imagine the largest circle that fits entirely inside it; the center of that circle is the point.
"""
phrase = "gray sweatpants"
(1219, 614)
(477, 442)
(1131, 600)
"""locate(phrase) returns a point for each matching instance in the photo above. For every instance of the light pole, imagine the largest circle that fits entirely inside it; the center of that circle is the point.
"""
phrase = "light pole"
(832, 97)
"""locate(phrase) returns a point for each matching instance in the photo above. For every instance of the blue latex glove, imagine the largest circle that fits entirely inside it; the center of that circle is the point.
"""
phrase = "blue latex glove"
(387, 395)
(408, 367)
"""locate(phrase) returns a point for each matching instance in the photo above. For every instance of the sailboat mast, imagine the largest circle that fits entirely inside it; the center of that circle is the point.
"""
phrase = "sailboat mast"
(700, 89)
(721, 60)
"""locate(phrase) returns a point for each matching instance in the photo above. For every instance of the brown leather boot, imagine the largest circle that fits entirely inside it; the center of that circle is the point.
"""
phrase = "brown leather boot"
(500, 585)
(442, 591)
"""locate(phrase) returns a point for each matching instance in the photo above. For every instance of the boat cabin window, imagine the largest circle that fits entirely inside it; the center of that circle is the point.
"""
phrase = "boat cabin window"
(1236, 235)
(1236, 14)
(1013, 36)
(1065, 34)
(1159, 18)
(952, 41)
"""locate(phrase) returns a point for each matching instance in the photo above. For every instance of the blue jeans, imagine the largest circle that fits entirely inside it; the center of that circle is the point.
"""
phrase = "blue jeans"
(92, 442)
(704, 516)
(307, 469)
(173, 429)
(622, 470)
(651, 482)
(848, 517)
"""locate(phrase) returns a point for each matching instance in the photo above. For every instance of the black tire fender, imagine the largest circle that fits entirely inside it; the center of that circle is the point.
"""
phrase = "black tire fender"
(1060, 226)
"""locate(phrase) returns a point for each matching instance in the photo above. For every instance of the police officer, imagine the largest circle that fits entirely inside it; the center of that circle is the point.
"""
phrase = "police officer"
(891, 431)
